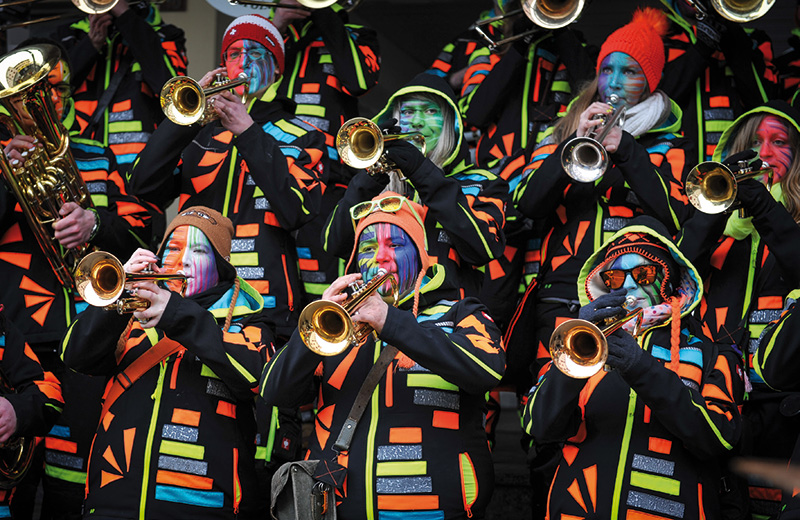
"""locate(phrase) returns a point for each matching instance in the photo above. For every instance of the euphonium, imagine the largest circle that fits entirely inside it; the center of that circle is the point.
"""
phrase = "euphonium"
(49, 177)
(17, 452)
(327, 328)
(579, 348)
(740, 11)
(584, 158)
(185, 102)
(360, 144)
(712, 187)
(102, 282)
(547, 14)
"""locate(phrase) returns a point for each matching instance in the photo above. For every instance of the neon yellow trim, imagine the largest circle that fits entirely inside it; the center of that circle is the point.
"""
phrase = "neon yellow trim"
(240, 259)
(229, 187)
(764, 97)
(310, 110)
(182, 449)
(560, 86)
(257, 192)
(315, 288)
(125, 126)
(623, 455)
(411, 467)
(325, 58)
(207, 372)
(713, 426)
(667, 485)
(468, 214)
(369, 463)
(748, 293)
(289, 128)
(273, 428)
(239, 368)
(151, 432)
(362, 83)
(429, 381)
(302, 199)
(76, 477)
(717, 126)
(477, 361)
(261, 453)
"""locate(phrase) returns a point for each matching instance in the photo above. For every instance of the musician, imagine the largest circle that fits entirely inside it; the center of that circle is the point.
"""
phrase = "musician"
(330, 64)
(419, 449)
(176, 436)
(646, 437)
(30, 409)
(42, 308)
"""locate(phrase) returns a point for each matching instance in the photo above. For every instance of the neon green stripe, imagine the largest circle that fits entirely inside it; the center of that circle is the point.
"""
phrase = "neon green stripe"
(168, 63)
(257, 192)
(315, 288)
(240, 259)
(623, 455)
(269, 371)
(261, 453)
(76, 477)
(325, 58)
(429, 381)
(468, 214)
(667, 485)
(436, 309)
(273, 428)
(239, 368)
(526, 88)
(125, 126)
(138, 239)
(369, 463)
(758, 362)
(362, 82)
(207, 372)
(229, 187)
(182, 449)
(54, 407)
(748, 293)
(713, 426)
(664, 188)
(302, 200)
(717, 126)
(764, 96)
(136, 66)
(65, 341)
(477, 361)
(100, 199)
(295, 72)
(560, 86)
(151, 432)
(289, 128)
(411, 467)
(310, 110)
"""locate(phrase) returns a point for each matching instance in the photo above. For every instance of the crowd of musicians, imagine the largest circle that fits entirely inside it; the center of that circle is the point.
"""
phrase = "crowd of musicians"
(609, 231)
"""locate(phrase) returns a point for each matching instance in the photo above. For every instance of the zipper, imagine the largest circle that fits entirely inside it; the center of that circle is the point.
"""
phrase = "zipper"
(148, 451)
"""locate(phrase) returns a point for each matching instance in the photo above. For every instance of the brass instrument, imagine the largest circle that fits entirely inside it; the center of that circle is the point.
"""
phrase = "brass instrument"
(740, 11)
(360, 144)
(327, 328)
(102, 282)
(579, 348)
(185, 102)
(49, 177)
(87, 6)
(16, 453)
(584, 158)
(712, 187)
(547, 14)
(307, 5)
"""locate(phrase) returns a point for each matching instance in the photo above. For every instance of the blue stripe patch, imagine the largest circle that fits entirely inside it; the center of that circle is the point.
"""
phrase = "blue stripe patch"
(192, 497)
(410, 515)
(333, 153)
(470, 190)
(304, 252)
(3, 340)
(661, 148)
(80, 307)
(687, 355)
(126, 158)
(95, 164)
(278, 134)
(436, 72)
(290, 151)
(431, 317)
(85, 147)
(269, 302)
(5, 512)
(471, 177)
(60, 431)
(544, 53)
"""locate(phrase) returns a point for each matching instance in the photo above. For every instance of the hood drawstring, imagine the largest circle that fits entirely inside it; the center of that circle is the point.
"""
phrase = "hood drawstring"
(675, 334)
(403, 361)
(229, 317)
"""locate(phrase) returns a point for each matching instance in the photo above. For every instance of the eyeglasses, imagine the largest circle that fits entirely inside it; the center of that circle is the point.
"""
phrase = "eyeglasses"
(253, 54)
(641, 274)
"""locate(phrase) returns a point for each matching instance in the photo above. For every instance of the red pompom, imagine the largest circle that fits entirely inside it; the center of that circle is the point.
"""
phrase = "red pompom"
(653, 18)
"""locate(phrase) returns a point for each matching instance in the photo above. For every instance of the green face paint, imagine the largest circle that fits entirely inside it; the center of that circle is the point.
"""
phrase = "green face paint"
(422, 116)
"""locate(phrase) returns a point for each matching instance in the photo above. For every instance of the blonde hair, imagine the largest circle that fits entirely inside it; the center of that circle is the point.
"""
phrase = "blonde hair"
(743, 140)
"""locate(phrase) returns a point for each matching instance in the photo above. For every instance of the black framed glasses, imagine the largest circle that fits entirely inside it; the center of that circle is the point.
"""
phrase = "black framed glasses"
(641, 274)
(253, 54)
(63, 89)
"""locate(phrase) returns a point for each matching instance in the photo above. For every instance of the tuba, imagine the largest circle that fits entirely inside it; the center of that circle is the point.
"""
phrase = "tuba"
(49, 177)
(327, 327)
(585, 159)
(360, 144)
(712, 187)
(185, 102)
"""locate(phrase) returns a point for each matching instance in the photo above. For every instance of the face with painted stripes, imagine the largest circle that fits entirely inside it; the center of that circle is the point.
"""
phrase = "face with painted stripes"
(189, 252)
(622, 76)
(772, 144)
(418, 115)
(253, 59)
(646, 295)
(383, 245)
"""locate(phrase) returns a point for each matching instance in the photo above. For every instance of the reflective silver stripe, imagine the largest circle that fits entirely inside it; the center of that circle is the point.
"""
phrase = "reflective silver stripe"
(239, 245)
(765, 316)
(62, 459)
(262, 203)
(653, 465)
(444, 238)
(249, 180)
(195, 467)
(179, 433)
(400, 452)
(125, 115)
(416, 368)
(96, 187)
(312, 276)
(250, 273)
(322, 124)
(725, 114)
(656, 504)
(217, 388)
(328, 68)
(691, 384)
(403, 485)
(437, 398)
(614, 223)
(307, 99)
(128, 137)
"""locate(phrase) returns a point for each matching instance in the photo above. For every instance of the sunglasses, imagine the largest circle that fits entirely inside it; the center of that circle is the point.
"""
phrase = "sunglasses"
(641, 274)
(390, 204)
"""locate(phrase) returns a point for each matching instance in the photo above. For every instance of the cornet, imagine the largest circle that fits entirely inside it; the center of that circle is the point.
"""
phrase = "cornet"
(360, 144)
(102, 282)
(712, 187)
(584, 158)
(579, 348)
(185, 102)
(327, 327)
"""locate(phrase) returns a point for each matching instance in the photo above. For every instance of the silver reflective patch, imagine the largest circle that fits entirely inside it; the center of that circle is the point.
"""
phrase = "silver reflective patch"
(125, 115)
(307, 99)
(179, 433)
(250, 273)
(614, 223)
(765, 316)
(262, 203)
(400, 452)
(312, 276)
(437, 398)
(217, 388)
(128, 137)
(195, 467)
(656, 504)
(322, 124)
(653, 465)
(239, 245)
(60, 458)
(691, 384)
(96, 187)
(403, 485)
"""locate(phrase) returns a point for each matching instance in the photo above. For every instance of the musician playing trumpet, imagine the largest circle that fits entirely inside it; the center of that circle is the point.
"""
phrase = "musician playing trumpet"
(426, 413)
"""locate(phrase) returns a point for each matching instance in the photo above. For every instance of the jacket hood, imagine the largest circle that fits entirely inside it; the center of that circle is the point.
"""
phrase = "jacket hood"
(776, 108)
(690, 284)
(248, 301)
(430, 84)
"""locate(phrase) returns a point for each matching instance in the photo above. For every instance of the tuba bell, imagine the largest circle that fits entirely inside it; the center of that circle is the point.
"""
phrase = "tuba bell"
(360, 144)
(585, 159)
(185, 102)
(49, 177)
(711, 187)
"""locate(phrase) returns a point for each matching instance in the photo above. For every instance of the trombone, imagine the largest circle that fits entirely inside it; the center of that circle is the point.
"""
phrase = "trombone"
(360, 144)
(579, 348)
(740, 11)
(585, 159)
(101, 281)
(547, 14)
(712, 187)
(185, 102)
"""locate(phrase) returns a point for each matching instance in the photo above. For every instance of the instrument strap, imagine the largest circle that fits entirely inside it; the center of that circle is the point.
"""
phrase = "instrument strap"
(124, 64)
(364, 394)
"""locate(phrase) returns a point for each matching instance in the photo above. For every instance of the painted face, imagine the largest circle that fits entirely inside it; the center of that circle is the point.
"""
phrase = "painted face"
(422, 116)
(646, 295)
(253, 59)
(59, 79)
(772, 144)
(189, 252)
(387, 246)
(621, 75)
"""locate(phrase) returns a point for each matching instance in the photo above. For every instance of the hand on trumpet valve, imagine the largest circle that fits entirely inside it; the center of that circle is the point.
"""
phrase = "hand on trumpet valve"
(158, 298)
(405, 155)
(607, 306)
(755, 197)
(143, 260)
(624, 353)
(593, 119)
(390, 126)
(336, 290)
(74, 228)
(742, 160)
(232, 112)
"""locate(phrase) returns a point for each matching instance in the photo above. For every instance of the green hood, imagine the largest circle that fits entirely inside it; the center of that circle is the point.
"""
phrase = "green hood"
(776, 108)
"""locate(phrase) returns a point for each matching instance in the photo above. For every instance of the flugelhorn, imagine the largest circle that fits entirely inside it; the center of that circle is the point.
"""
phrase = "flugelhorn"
(579, 348)
(546, 14)
(360, 144)
(102, 282)
(584, 158)
(740, 11)
(185, 102)
(327, 328)
(712, 187)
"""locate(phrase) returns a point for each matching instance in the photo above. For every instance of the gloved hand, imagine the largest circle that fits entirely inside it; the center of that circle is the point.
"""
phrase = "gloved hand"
(390, 126)
(710, 31)
(606, 306)
(623, 352)
(405, 155)
(755, 197)
(748, 156)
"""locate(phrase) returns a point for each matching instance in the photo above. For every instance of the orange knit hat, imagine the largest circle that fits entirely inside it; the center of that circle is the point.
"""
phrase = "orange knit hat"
(641, 40)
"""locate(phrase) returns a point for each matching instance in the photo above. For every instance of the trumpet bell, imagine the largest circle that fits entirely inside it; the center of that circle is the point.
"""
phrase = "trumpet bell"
(584, 159)
(553, 14)
(100, 278)
(182, 100)
(326, 328)
(359, 142)
(95, 6)
(742, 11)
(711, 187)
(578, 348)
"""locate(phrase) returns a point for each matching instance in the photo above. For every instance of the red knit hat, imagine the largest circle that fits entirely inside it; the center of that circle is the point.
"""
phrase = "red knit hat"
(641, 40)
(259, 29)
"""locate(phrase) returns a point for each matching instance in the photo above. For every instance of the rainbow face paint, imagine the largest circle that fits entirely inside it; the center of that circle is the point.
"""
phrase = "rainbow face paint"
(646, 295)
(622, 76)
(422, 116)
(772, 144)
(254, 60)
(387, 246)
(189, 252)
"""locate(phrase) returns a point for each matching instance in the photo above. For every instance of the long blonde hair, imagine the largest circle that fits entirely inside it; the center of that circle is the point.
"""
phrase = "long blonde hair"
(743, 140)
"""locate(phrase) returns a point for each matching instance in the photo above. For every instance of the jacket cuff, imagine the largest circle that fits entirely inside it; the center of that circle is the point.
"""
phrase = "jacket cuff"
(626, 148)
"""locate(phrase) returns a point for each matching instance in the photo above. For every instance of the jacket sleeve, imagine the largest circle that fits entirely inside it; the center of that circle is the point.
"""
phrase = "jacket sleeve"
(553, 412)
(291, 175)
(777, 359)
(470, 205)
(90, 342)
(354, 51)
(782, 235)
(288, 377)
(36, 398)
(471, 356)
(487, 81)
(339, 232)
(81, 52)
(543, 183)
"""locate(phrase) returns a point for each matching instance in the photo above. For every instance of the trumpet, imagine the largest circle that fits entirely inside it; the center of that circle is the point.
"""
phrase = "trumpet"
(547, 14)
(185, 102)
(579, 348)
(327, 327)
(712, 187)
(102, 282)
(584, 158)
(360, 144)
(740, 11)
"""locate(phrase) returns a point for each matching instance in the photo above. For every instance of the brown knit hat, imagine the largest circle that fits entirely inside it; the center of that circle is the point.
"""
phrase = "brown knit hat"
(217, 228)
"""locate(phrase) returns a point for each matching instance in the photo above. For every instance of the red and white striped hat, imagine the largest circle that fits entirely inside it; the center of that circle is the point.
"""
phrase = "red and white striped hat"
(259, 29)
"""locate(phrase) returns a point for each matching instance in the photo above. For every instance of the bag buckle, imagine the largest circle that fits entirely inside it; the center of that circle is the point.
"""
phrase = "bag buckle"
(319, 499)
